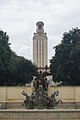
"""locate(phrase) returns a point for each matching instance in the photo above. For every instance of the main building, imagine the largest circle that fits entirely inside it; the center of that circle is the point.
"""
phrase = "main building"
(40, 46)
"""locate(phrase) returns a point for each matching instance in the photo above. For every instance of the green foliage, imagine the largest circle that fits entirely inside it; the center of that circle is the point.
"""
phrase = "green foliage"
(25, 70)
(65, 65)
(5, 54)
(14, 70)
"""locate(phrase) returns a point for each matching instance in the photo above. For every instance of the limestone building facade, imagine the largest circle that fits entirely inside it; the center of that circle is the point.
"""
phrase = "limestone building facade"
(40, 46)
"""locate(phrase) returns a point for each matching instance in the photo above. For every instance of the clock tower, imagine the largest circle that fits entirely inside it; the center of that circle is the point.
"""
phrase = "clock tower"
(40, 46)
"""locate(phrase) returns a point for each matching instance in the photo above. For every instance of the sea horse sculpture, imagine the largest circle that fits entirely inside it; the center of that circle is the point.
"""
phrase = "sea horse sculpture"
(52, 101)
(28, 102)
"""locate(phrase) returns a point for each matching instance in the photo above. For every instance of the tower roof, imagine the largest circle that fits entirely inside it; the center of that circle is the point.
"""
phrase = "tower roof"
(40, 23)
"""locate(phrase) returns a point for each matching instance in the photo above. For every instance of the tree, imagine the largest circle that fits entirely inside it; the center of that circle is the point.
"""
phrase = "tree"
(25, 70)
(14, 70)
(65, 65)
(5, 55)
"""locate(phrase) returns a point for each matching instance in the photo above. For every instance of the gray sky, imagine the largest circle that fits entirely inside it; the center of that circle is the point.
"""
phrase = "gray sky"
(18, 18)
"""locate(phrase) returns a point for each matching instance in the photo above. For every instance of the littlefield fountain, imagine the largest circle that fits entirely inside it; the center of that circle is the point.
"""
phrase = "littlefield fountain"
(39, 98)
(39, 105)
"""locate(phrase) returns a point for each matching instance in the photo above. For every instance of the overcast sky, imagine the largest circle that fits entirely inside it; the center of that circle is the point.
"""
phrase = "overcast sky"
(18, 18)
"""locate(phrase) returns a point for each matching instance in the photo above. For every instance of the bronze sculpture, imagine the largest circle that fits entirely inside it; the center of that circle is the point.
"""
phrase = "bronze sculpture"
(39, 98)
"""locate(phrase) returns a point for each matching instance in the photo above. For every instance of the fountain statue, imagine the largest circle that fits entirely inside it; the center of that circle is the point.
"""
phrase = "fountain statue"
(39, 97)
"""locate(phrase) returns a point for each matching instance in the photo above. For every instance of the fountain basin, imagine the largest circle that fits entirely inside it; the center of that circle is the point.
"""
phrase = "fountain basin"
(40, 114)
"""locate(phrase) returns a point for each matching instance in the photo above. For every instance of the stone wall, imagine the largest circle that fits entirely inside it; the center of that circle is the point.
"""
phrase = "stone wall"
(56, 114)
(67, 94)
(13, 94)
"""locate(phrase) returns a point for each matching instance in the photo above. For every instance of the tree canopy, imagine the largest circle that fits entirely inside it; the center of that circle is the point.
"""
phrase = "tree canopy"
(65, 64)
(14, 70)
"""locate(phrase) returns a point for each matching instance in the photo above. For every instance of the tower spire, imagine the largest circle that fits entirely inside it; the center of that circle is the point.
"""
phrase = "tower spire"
(40, 26)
